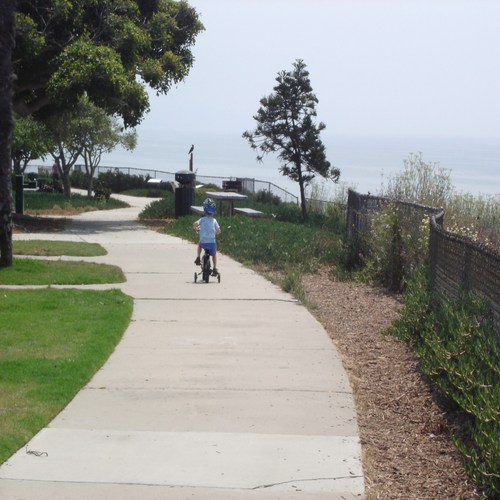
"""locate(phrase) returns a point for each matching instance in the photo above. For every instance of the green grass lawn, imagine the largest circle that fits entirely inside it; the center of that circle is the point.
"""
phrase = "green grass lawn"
(56, 248)
(276, 244)
(56, 203)
(44, 272)
(51, 343)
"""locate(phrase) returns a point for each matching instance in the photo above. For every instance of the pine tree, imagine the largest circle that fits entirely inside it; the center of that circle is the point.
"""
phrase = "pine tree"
(286, 126)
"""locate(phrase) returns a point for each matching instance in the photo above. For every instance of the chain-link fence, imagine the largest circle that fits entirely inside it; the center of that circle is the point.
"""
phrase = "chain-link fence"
(457, 263)
(250, 186)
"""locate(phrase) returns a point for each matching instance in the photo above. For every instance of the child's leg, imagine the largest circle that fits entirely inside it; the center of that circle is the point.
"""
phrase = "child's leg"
(198, 253)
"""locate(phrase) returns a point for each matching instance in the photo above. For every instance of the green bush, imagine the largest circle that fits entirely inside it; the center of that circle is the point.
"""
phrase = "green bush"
(101, 190)
(264, 196)
(394, 241)
(476, 217)
(78, 179)
(460, 353)
(159, 209)
(117, 181)
(393, 244)
(40, 201)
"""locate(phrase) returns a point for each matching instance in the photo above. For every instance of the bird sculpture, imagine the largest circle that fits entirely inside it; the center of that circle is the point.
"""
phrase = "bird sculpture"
(191, 149)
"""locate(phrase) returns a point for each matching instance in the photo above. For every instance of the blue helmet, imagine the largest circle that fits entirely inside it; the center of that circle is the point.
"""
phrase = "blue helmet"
(209, 206)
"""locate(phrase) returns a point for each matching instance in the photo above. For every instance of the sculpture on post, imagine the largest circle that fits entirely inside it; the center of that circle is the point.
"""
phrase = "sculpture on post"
(190, 153)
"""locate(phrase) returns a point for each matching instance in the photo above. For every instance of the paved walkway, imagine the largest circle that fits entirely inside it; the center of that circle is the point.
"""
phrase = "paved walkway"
(216, 391)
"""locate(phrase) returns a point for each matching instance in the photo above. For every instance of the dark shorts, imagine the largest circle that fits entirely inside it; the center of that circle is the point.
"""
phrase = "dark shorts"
(211, 247)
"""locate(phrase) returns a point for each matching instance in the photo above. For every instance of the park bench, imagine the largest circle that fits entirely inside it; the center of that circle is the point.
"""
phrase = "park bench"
(250, 212)
(197, 210)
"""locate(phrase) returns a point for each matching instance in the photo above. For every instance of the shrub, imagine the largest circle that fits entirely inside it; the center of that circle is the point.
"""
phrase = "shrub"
(101, 190)
(394, 240)
(459, 351)
(78, 179)
(264, 196)
(117, 181)
(159, 209)
(420, 182)
(476, 217)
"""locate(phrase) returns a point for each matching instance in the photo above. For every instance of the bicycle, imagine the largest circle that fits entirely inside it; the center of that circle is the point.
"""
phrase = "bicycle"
(206, 269)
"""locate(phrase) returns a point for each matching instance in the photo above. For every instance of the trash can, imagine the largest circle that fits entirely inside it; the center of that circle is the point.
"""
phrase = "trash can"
(184, 193)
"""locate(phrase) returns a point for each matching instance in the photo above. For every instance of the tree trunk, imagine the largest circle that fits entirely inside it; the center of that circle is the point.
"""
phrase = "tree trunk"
(302, 193)
(7, 32)
(66, 182)
(90, 185)
(65, 173)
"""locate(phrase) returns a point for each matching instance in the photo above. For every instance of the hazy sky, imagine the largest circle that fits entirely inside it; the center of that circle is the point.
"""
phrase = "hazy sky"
(388, 67)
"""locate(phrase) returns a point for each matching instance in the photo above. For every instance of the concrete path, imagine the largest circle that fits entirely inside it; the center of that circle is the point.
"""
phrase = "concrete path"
(216, 391)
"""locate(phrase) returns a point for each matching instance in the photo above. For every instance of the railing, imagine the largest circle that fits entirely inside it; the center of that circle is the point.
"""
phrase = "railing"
(249, 185)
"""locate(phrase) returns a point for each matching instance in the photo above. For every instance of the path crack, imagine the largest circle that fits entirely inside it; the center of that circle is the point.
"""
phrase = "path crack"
(270, 485)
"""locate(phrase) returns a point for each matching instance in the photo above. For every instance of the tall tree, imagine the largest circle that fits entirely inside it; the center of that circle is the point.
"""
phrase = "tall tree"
(108, 49)
(7, 28)
(29, 142)
(285, 126)
(66, 144)
(100, 133)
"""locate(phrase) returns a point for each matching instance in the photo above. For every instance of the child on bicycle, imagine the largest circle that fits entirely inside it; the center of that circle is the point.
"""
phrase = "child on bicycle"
(208, 228)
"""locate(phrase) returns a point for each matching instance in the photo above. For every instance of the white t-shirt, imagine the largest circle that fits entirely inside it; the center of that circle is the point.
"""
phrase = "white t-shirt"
(208, 228)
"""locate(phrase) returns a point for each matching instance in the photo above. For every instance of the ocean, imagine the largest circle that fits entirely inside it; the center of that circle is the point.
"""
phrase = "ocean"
(365, 162)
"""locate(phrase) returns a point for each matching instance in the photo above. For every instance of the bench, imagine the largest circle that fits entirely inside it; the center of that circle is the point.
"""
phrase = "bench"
(250, 212)
(197, 210)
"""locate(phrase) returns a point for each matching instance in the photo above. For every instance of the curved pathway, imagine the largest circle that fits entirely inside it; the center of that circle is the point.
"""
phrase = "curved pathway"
(216, 391)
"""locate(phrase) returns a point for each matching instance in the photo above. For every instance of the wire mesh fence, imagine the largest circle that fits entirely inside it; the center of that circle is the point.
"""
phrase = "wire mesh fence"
(251, 186)
(457, 264)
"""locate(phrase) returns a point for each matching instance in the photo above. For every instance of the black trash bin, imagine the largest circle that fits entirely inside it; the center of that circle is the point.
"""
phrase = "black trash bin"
(184, 193)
